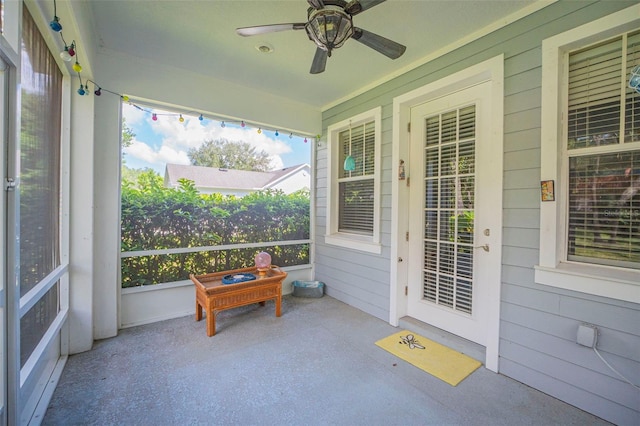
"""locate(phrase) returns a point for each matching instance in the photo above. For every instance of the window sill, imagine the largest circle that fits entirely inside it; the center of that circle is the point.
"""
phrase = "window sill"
(615, 283)
(354, 242)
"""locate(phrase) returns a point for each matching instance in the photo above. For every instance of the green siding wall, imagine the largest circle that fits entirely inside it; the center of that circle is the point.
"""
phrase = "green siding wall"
(538, 323)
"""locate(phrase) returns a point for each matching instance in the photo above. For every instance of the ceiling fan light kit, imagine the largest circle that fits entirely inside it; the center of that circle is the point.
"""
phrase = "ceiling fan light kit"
(329, 25)
(329, 28)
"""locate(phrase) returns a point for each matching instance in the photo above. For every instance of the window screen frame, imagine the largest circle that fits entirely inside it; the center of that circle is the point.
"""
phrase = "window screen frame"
(554, 269)
(600, 133)
(368, 242)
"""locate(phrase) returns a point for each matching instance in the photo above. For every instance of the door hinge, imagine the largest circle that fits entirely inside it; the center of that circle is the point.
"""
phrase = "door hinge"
(9, 184)
(408, 181)
(406, 236)
(409, 127)
(406, 290)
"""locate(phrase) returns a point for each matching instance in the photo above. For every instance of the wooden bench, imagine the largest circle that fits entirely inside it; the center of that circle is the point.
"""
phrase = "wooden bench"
(213, 296)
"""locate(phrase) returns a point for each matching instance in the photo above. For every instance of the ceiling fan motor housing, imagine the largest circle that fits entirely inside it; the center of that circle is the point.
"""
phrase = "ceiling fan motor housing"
(329, 27)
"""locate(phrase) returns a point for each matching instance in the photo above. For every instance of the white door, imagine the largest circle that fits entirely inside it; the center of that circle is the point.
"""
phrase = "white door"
(451, 216)
(4, 113)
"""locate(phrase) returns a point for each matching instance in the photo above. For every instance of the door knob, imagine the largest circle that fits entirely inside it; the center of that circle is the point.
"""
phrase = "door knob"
(484, 247)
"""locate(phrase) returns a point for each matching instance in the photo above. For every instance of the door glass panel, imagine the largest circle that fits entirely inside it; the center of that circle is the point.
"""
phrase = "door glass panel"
(449, 182)
(39, 159)
(36, 322)
(41, 99)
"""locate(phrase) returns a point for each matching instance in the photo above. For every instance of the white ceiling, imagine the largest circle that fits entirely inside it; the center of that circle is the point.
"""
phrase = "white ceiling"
(200, 36)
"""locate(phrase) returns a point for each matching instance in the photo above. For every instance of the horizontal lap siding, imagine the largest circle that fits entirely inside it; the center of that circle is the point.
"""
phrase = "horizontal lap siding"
(538, 323)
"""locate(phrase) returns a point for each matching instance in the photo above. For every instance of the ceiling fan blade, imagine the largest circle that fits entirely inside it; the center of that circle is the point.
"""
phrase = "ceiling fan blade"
(387, 47)
(316, 4)
(356, 6)
(319, 61)
(272, 28)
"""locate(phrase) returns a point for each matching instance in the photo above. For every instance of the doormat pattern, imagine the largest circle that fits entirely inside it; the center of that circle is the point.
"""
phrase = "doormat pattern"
(440, 361)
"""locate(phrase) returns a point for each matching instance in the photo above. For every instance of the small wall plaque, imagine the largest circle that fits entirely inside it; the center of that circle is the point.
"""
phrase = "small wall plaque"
(546, 190)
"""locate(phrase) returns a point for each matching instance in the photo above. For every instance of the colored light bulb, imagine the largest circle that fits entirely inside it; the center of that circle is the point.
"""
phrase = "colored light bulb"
(290, 135)
(201, 117)
(223, 125)
(154, 117)
(181, 119)
(55, 24)
(277, 134)
(77, 67)
(72, 51)
(98, 92)
(125, 98)
(65, 55)
(81, 90)
(305, 140)
(259, 131)
(242, 124)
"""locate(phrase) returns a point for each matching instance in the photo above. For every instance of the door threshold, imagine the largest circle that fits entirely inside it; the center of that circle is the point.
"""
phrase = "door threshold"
(457, 343)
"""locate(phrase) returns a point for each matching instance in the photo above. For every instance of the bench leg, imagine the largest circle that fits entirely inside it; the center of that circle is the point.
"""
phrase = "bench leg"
(279, 305)
(198, 311)
(211, 323)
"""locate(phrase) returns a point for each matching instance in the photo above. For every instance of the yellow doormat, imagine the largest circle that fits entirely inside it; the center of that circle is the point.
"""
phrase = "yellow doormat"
(444, 363)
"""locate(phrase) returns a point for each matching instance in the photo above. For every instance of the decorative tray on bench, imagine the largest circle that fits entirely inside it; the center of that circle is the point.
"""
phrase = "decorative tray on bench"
(214, 296)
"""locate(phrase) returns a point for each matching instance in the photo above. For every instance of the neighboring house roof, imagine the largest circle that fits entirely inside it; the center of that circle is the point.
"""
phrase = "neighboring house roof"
(228, 179)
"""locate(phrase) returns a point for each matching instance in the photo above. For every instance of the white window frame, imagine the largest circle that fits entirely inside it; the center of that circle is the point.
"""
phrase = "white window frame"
(366, 243)
(554, 269)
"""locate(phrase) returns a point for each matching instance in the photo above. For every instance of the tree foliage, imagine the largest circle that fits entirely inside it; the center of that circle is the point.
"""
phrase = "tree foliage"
(236, 155)
(155, 217)
(127, 134)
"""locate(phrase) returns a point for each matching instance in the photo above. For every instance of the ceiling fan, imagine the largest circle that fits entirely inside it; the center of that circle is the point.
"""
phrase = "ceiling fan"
(329, 25)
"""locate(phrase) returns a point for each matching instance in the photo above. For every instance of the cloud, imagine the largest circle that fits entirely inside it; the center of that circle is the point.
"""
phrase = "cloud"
(174, 139)
(143, 152)
(133, 115)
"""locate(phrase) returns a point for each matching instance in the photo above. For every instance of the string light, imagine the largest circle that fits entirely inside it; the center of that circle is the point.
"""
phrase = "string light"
(55, 22)
(70, 52)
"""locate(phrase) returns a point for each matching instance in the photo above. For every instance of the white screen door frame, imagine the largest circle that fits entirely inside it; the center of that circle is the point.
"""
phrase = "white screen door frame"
(489, 72)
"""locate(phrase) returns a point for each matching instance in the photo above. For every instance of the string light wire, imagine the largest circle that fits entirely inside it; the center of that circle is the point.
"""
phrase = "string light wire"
(98, 89)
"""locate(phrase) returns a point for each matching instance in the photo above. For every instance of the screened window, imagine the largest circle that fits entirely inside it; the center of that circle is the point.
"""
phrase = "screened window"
(603, 154)
(353, 188)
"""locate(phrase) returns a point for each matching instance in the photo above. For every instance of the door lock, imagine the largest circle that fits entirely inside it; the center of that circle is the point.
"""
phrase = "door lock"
(484, 247)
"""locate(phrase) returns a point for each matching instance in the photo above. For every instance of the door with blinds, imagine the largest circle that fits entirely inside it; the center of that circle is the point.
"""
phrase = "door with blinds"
(451, 216)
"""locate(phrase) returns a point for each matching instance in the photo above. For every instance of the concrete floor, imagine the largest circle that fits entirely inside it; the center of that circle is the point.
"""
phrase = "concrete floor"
(315, 365)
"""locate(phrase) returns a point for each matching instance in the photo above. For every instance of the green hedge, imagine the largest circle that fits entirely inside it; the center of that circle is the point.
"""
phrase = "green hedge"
(155, 217)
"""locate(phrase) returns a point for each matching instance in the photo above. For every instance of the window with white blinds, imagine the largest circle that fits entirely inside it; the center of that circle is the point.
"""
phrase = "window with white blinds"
(603, 150)
(353, 182)
(356, 187)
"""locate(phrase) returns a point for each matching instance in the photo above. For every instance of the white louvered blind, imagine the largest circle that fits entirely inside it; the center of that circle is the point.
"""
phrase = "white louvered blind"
(603, 148)
(356, 187)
